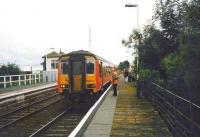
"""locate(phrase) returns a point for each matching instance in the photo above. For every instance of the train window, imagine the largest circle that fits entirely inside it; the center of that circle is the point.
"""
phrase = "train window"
(89, 64)
(100, 70)
(89, 67)
(64, 66)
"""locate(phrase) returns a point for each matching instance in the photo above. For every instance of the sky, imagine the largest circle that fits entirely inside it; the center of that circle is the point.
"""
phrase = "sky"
(29, 28)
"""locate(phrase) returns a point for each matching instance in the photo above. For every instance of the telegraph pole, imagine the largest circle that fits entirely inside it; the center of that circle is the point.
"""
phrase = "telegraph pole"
(90, 39)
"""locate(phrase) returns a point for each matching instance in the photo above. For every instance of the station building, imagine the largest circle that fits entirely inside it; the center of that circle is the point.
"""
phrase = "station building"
(50, 65)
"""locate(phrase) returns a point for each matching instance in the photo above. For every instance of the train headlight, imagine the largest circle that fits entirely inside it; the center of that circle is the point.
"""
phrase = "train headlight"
(64, 85)
(91, 85)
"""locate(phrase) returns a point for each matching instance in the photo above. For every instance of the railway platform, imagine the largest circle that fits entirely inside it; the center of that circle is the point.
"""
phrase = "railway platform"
(126, 116)
(5, 92)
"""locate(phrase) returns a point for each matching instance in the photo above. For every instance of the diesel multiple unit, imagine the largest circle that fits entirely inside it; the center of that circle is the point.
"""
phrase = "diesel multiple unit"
(82, 73)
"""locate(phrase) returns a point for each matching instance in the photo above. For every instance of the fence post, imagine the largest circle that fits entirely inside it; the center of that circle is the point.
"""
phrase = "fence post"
(24, 79)
(10, 81)
(30, 79)
(174, 111)
(153, 96)
(19, 80)
(4, 81)
(50, 76)
(191, 119)
(39, 77)
(35, 79)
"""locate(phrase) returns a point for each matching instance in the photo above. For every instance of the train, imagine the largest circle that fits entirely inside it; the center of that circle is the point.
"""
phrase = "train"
(82, 74)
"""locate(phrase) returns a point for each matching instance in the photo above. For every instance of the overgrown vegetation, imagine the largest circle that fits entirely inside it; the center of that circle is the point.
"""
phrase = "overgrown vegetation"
(9, 69)
(170, 54)
(124, 65)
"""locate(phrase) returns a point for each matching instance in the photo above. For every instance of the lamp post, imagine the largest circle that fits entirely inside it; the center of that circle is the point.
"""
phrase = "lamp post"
(133, 6)
(137, 76)
(137, 6)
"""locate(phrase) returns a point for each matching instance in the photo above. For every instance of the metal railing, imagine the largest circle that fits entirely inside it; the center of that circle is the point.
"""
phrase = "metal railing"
(18, 80)
(181, 115)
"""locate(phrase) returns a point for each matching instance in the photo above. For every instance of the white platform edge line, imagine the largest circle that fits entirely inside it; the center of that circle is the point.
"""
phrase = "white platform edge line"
(77, 130)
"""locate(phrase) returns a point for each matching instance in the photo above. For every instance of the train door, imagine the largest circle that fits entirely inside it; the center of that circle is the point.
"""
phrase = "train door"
(101, 74)
(77, 71)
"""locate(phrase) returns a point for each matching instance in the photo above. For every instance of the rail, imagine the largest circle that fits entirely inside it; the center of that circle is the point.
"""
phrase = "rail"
(181, 115)
(81, 127)
(43, 128)
(18, 80)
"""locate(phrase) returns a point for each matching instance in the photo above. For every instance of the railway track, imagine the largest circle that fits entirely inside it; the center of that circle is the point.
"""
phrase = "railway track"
(14, 116)
(13, 102)
(61, 125)
(68, 120)
(51, 117)
(27, 125)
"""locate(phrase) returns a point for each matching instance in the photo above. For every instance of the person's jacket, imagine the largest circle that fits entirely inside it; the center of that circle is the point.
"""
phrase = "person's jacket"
(114, 80)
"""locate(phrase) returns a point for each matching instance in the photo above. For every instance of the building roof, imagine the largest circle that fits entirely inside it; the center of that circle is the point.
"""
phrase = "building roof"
(53, 54)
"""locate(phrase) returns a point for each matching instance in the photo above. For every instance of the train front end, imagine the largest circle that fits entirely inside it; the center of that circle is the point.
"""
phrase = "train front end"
(76, 76)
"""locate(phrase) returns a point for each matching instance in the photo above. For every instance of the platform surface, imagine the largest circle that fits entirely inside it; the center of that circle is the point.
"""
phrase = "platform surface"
(126, 116)
(136, 117)
(102, 121)
(6, 92)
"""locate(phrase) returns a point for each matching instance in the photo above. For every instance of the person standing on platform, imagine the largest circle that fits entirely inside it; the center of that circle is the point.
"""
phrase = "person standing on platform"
(126, 75)
(114, 82)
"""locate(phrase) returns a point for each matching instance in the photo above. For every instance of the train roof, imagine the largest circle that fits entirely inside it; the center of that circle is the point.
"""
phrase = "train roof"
(84, 52)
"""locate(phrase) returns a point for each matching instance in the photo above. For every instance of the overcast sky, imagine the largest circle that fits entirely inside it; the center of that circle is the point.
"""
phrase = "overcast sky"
(29, 27)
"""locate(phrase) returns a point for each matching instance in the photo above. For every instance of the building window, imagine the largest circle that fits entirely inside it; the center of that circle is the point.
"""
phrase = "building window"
(54, 64)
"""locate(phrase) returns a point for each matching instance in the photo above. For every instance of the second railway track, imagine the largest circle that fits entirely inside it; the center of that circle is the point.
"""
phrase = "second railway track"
(12, 117)
(51, 117)
(31, 122)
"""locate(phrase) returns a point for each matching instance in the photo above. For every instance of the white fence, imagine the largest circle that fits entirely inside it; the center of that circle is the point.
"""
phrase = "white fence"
(27, 79)
(18, 80)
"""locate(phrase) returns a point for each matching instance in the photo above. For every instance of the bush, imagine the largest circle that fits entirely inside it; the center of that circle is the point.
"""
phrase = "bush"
(9, 69)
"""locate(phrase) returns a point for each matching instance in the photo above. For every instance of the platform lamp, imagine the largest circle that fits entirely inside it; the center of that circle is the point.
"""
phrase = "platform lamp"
(137, 76)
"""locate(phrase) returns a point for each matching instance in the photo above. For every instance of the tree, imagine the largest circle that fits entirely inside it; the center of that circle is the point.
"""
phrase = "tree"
(9, 69)
(124, 65)
(170, 55)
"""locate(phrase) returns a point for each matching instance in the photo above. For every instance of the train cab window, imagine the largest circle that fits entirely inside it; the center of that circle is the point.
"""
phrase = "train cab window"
(89, 64)
(89, 67)
(64, 66)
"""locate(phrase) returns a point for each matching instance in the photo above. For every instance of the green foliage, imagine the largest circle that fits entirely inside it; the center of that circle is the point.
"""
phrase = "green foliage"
(170, 56)
(174, 68)
(148, 75)
(9, 69)
(190, 53)
(124, 65)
